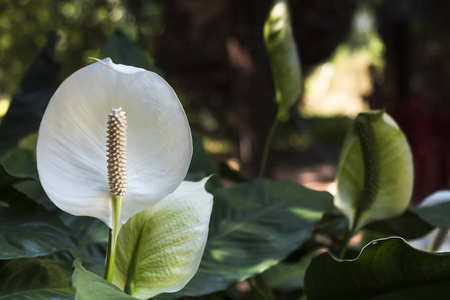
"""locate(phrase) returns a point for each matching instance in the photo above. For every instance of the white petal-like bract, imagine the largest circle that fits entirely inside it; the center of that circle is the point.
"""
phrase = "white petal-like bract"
(71, 149)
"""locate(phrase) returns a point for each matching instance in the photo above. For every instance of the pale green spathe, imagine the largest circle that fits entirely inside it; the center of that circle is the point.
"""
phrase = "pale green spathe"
(385, 159)
(159, 249)
(284, 59)
(71, 148)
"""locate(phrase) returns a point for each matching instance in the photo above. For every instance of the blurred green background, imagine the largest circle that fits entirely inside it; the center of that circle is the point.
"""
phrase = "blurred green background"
(354, 54)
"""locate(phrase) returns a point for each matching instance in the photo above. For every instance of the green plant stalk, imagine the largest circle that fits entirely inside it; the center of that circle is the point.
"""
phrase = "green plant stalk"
(267, 144)
(260, 289)
(349, 234)
(345, 243)
(112, 243)
(439, 239)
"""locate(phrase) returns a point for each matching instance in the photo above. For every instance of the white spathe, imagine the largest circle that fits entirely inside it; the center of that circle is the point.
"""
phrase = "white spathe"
(71, 148)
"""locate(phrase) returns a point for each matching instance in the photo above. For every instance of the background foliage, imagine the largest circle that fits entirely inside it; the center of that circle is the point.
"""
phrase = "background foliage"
(212, 52)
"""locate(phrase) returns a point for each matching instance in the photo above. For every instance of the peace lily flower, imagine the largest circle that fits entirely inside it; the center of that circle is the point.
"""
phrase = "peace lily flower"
(115, 141)
(72, 145)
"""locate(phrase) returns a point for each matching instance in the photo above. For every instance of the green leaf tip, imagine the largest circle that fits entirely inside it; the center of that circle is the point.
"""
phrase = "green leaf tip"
(284, 59)
(375, 171)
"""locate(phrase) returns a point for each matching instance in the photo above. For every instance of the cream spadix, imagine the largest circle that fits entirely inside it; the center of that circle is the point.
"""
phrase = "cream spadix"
(117, 152)
(72, 144)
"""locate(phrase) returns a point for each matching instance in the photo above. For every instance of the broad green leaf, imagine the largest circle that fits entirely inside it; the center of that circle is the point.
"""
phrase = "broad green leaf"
(32, 234)
(254, 226)
(90, 286)
(288, 276)
(409, 225)
(34, 278)
(20, 163)
(375, 171)
(28, 230)
(385, 269)
(92, 235)
(48, 293)
(33, 190)
(159, 249)
(284, 59)
(7, 192)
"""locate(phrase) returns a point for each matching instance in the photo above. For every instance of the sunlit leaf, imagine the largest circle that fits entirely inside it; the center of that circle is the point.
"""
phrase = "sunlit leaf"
(386, 269)
(159, 249)
(284, 59)
(90, 286)
(253, 226)
(375, 172)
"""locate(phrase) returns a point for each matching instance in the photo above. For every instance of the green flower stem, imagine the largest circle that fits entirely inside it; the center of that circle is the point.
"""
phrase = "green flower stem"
(267, 144)
(112, 243)
(439, 239)
(345, 243)
(260, 290)
(349, 234)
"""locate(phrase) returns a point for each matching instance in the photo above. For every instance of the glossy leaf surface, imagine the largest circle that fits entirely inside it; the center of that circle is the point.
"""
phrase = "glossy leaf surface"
(253, 226)
(35, 279)
(385, 269)
(92, 287)
(28, 230)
